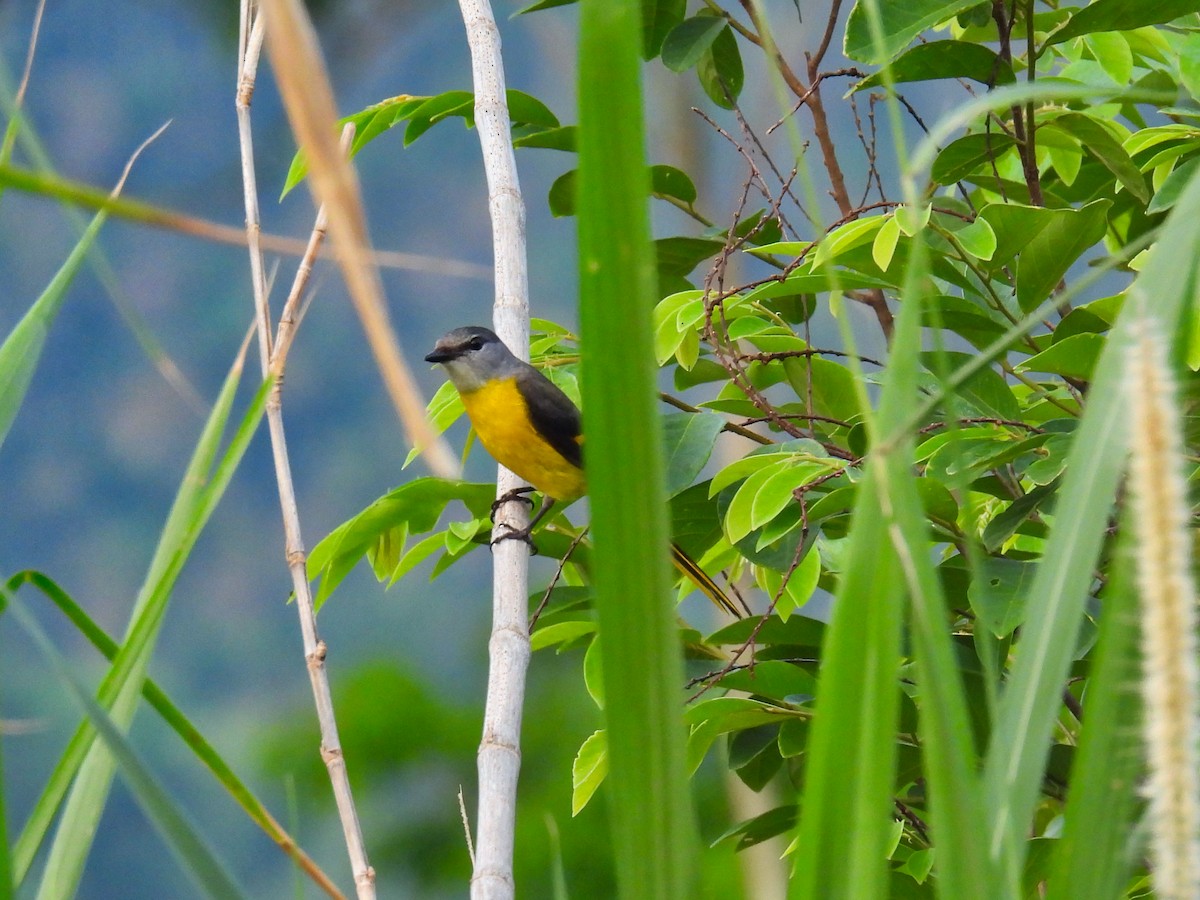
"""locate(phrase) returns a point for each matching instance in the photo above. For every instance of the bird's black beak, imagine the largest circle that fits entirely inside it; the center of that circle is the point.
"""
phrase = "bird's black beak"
(439, 355)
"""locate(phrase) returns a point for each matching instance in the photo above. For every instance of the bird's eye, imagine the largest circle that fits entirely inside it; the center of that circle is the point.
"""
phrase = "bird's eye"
(475, 343)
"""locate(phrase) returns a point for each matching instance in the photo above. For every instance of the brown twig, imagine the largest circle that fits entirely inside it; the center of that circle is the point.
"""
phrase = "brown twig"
(562, 564)
(315, 650)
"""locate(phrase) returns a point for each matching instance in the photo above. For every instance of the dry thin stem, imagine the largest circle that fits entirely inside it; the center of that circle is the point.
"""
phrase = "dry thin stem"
(289, 318)
(500, 750)
(19, 100)
(466, 823)
(314, 648)
(308, 98)
(141, 213)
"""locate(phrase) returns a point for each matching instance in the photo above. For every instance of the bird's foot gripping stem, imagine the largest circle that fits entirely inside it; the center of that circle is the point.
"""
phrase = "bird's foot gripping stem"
(520, 493)
(521, 534)
(517, 534)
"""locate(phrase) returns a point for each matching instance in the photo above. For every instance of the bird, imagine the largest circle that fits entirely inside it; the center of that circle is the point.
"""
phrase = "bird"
(529, 426)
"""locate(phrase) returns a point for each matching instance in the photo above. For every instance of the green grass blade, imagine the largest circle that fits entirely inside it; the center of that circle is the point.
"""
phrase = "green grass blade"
(845, 810)
(175, 719)
(1094, 858)
(1013, 772)
(90, 765)
(206, 870)
(653, 826)
(950, 760)
(6, 873)
(22, 348)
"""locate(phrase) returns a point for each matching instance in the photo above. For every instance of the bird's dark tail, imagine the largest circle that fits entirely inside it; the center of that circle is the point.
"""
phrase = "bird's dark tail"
(701, 579)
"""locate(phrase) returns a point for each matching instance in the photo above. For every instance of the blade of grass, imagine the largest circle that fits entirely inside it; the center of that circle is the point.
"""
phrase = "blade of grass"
(1016, 758)
(858, 687)
(6, 872)
(21, 350)
(89, 764)
(23, 347)
(177, 721)
(841, 843)
(1094, 857)
(653, 826)
(950, 760)
(207, 872)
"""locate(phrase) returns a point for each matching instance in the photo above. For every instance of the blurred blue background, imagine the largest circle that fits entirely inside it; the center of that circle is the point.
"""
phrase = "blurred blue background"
(89, 470)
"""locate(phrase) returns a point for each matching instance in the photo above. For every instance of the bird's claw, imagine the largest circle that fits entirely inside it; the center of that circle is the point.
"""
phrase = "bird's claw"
(520, 493)
(516, 534)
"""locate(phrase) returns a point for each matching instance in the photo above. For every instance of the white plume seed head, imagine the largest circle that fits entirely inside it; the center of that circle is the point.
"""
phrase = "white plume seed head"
(1168, 617)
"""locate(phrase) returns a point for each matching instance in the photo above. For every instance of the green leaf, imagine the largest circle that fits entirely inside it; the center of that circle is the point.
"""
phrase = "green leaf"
(1120, 15)
(593, 675)
(561, 198)
(830, 385)
(659, 18)
(589, 770)
(986, 390)
(772, 823)
(689, 439)
(792, 452)
(443, 410)
(544, 4)
(1112, 51)
(998, 598)
(1049, 242)
(680, 255)
(667, 181)
(709, 719)
(563, 137)
(774, 679)
(978, 239)
(799, 588)
(945, 59)
(1172, 188)
(384, 526)
(1006, 523)
(422, 113)
(1074, 357)
(900, 23)
(561, 633)
(689, 40)
(962, 157)
(884, 245)
(856, 233)
(766, 493)
(720, 70)
(1101, 143)
(21, 350)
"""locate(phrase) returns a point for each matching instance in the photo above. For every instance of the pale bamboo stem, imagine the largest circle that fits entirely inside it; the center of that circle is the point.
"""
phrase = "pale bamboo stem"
(500, 750)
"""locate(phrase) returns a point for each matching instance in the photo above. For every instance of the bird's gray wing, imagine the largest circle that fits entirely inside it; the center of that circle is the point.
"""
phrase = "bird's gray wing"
(552, 413)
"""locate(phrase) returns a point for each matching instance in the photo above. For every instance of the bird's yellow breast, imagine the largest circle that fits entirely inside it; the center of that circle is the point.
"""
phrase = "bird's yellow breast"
(501, 419)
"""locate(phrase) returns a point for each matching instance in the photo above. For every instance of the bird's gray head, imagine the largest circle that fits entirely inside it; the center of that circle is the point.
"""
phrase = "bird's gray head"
(473, 356)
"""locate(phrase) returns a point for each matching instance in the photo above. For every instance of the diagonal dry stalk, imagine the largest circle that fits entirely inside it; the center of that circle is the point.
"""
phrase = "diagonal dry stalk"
(508, 649)
(250, 45)
(307, 96)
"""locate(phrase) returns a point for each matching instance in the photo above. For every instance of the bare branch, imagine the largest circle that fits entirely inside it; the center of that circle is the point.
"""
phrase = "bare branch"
(315, 650)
